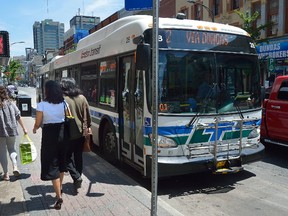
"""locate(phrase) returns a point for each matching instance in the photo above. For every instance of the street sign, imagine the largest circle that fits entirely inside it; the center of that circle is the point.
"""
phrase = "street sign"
(271, 64)
(131, 5)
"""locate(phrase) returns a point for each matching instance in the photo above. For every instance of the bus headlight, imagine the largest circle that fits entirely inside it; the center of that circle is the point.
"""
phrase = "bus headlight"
(164, 142)
(254, 133)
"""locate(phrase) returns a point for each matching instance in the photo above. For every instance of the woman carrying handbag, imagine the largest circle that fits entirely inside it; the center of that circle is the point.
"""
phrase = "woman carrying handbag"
(50, 116)
(79, 109)
(9, 119)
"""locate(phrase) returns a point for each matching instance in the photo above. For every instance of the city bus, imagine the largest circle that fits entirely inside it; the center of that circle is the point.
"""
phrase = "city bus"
(208, 94)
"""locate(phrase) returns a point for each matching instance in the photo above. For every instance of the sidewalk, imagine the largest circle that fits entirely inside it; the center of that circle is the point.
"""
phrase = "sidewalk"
(105, 190)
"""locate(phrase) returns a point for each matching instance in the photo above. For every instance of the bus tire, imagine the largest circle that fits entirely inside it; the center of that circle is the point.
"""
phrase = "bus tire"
(109, 144)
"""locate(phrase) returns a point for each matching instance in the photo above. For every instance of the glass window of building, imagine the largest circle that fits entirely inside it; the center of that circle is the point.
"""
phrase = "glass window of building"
(273, 15)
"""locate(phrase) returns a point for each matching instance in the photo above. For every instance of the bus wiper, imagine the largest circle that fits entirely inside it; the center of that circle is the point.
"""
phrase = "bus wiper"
(238, 109)
(212, 92)
(192, 120)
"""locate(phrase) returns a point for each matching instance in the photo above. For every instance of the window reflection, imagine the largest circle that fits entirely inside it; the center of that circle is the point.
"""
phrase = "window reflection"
(207, 82)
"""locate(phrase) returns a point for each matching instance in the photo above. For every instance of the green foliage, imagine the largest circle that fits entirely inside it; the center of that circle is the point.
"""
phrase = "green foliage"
(13, 70)
(255, 32)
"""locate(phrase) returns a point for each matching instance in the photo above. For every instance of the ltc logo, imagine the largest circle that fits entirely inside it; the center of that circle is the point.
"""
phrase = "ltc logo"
(225, 133)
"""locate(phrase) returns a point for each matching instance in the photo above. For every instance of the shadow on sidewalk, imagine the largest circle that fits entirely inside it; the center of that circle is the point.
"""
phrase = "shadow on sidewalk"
(39, 203)
(12, 208)
(97, 169)
(22, 176)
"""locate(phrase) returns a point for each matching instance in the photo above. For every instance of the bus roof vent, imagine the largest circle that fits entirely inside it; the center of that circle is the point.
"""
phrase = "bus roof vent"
(181, 16)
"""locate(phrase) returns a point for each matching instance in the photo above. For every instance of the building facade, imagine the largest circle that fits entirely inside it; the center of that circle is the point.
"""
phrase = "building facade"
(84, 22)
(79, 28)
(47, 35)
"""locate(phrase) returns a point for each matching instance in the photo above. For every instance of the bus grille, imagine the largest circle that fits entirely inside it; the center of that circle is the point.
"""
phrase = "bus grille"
(207, 149)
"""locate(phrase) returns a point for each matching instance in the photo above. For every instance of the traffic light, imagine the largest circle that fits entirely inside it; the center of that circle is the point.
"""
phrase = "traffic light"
(4, 44)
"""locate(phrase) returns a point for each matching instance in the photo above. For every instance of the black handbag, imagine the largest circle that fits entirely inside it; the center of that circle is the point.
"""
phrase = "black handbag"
(71, 128)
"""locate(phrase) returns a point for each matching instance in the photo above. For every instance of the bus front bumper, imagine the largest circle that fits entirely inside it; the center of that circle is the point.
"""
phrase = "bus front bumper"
(181, 165)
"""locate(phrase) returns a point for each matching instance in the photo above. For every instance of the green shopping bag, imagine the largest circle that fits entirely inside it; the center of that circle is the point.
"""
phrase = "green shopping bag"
(28, 152)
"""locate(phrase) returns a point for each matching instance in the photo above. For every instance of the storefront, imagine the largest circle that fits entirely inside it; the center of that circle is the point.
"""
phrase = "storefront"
(273, 57)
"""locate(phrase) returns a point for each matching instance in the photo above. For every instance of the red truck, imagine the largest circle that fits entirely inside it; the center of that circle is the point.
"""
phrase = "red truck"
(274, 123)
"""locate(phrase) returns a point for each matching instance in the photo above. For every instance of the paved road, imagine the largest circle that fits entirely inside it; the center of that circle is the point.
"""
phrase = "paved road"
(260, 190)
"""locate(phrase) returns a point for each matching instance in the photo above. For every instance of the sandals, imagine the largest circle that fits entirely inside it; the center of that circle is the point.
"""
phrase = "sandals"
(6, 177)
(58, 204)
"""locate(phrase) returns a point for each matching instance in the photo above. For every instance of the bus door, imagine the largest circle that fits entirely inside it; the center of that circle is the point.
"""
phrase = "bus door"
(139, 104)
(127, 107)
(132, 111)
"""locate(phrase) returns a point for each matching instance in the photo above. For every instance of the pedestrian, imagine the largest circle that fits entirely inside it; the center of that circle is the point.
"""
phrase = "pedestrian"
(9, 119)
(50, 116)
(12, 90)
(79, 109)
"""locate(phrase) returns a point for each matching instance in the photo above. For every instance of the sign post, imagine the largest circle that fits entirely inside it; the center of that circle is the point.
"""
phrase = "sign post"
(147, 5)
(154, 179)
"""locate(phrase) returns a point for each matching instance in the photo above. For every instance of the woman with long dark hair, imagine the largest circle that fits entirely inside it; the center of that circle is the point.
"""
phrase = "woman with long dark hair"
(50, 115)
(9, 119)
(79, 109)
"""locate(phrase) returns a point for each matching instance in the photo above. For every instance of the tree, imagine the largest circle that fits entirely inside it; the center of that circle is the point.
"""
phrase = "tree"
(13, 70)
(255, 32)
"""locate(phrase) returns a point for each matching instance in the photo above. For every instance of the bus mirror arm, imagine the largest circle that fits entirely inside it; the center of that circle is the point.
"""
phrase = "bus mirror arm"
(138, 95)
(125, 94)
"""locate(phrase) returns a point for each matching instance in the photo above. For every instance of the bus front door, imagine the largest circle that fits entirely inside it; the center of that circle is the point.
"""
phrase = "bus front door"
(132, 113)
(128, 107)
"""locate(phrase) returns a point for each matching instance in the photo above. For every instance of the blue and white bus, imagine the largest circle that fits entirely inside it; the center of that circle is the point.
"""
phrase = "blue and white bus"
(209, 94)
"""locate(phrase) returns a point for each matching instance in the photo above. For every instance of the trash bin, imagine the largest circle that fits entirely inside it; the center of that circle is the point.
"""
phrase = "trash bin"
(24, 104)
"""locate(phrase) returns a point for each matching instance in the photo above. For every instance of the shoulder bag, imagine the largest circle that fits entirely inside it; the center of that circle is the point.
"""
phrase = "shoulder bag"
(71, 128)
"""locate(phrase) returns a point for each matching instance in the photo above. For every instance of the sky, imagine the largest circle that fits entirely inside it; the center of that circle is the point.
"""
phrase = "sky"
(18, 16)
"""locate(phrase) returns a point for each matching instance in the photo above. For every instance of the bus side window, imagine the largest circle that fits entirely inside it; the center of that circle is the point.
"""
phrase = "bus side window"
(107, 82)
(89, 82)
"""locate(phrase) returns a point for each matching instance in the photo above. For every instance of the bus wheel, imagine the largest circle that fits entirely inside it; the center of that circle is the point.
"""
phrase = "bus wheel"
(110, 145)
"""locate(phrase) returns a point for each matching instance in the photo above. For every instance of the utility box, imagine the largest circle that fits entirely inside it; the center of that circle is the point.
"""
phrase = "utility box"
(24, 104)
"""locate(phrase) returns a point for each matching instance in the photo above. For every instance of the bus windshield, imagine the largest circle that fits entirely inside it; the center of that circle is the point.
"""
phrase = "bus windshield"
(198, 82)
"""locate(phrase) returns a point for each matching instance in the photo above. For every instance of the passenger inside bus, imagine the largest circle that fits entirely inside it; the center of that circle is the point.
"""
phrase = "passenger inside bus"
(94, 93)
(204, 89)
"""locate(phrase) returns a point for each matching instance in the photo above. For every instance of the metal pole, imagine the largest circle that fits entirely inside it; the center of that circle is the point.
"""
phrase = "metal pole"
(207, 8)
(154, 174)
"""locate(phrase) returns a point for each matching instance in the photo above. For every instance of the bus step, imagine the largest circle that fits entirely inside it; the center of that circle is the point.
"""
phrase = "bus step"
(228, 170)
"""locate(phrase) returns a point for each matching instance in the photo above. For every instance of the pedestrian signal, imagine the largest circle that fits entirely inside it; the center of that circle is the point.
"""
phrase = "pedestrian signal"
(4, 44)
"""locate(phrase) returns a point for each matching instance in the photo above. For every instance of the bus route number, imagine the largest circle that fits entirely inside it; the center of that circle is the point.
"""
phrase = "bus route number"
(163, 107)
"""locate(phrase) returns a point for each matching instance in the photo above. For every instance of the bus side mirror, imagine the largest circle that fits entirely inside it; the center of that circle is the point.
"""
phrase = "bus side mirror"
(143, 58)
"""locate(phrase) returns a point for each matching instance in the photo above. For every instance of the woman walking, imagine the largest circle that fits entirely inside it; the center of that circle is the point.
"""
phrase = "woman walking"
(79, 109)
(50, 114)
(9, 119)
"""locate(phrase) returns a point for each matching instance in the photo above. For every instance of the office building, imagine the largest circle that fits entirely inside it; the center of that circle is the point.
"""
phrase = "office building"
(84, 22)
(79, 28)
(48, 35)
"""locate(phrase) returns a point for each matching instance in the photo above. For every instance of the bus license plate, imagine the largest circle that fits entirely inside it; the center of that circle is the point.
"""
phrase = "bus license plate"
(221, 164)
